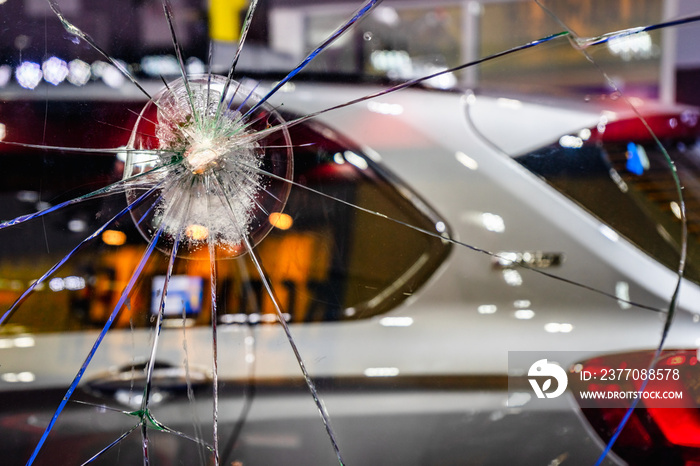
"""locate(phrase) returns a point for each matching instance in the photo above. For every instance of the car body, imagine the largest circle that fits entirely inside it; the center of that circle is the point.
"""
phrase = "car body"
(412, 363)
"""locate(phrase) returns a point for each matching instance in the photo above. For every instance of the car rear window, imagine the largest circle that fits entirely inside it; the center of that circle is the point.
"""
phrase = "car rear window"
(622, 174)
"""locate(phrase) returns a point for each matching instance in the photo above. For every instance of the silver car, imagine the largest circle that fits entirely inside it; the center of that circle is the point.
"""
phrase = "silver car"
(421, 257)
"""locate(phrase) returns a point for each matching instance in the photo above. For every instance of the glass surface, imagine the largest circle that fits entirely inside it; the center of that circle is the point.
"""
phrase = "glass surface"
(302, 233)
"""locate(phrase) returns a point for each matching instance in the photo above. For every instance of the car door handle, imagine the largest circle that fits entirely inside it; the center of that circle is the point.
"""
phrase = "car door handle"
(127, 383)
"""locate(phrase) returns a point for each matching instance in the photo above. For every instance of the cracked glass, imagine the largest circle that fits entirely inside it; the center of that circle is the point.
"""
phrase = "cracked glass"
(283, 232)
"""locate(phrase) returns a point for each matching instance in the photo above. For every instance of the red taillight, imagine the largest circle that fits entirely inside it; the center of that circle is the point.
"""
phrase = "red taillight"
(658, 431)
(676, 126)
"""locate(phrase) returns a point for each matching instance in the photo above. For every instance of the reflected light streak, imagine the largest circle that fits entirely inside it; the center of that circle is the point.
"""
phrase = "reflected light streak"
(24, 341)
(381, 372)
(622, 291)
(268, 318)
(396, 321)
(356, 160)
(71, 283)
(493, 222)
(178, 323)
(22, 377)
(632, 46)
(157, 65)
(288, 87)
(390, 60)
(675, 208)
(3, 131)
(524, 314)
(507, 258)
(399, 282)
(254, 318)
(74, 283)
(512, 277)
(512, 104)
(487, 309)
(467, 161)
(518, 399)
(134, 400)
(609, 233)
(555, 327)
(571, 142)
(384, 108)
(443, 81)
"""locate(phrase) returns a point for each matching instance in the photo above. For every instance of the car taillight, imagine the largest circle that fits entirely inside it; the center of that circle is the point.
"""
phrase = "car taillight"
(659, 431)
(675, 126)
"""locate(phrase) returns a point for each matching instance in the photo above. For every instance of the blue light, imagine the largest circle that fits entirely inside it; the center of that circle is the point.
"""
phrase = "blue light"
(637, 160)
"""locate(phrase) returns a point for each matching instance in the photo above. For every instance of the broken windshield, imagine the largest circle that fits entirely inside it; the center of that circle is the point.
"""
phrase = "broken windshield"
(257, 232)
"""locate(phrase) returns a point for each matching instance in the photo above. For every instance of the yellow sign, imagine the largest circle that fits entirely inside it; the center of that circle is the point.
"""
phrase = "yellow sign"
(225, 19)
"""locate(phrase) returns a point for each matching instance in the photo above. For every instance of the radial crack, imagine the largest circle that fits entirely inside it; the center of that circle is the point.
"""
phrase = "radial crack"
(96, 345)
(280, 317)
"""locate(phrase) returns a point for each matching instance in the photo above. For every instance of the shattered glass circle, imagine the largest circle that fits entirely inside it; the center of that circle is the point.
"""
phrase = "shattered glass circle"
(207, 163)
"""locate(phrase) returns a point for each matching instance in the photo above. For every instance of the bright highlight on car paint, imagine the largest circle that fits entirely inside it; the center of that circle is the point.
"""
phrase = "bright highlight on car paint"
(487, 309)
(396, 321)
(524, 314)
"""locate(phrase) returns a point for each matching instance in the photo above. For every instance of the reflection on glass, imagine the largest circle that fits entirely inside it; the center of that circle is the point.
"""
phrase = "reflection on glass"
(524, 314)
(555, 327)
(487, 309)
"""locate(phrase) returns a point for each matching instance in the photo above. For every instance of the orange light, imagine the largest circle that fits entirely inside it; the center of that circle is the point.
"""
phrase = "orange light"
(197, 232)
(114, 237)
(281, 221)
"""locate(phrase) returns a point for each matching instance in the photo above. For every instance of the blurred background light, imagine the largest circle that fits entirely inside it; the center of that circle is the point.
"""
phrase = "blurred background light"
(28, 74)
